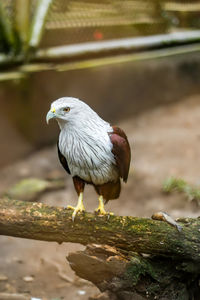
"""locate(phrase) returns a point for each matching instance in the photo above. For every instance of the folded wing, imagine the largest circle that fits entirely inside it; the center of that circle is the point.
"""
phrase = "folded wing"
(63, 160)
(121, 151)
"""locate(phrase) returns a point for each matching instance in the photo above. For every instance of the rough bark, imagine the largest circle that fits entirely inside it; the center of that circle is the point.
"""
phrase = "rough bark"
(133, 276)
(166, 259)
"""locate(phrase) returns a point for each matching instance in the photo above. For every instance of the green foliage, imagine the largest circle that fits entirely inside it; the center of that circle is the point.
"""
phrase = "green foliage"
(179, 185)
(157, 278)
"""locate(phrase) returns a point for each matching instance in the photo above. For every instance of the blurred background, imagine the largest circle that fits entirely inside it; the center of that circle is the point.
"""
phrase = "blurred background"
(137, 64)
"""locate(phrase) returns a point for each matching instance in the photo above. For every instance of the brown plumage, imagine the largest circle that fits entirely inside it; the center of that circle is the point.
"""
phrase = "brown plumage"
(121, 151)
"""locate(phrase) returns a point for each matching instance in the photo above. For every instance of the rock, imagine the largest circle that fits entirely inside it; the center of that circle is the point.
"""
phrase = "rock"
(31, 188)
(3, 277)
(14, 296)
(28, 278)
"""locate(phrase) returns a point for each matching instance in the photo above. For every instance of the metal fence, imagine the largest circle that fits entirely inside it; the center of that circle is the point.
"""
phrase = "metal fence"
(29, 28)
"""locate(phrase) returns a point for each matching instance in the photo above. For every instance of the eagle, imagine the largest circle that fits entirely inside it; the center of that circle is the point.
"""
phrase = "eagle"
(90, 150)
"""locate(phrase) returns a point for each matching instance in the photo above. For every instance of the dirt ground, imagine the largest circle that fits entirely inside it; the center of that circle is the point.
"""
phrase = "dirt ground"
(165, 142)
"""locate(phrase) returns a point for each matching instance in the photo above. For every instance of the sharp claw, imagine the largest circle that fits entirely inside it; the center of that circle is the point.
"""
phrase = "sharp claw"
(78, 208)
(101, 212)
(70, 207)
(75, 211)
(109, 214)
(73, 216)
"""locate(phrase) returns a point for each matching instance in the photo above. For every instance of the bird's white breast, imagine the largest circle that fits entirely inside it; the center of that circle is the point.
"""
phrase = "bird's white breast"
(88, 152)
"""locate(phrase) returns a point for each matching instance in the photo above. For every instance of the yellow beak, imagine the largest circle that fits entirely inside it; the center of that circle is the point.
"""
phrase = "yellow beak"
(50, 115)
(53, 110)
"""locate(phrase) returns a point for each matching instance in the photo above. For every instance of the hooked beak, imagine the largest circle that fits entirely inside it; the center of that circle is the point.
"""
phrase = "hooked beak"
(50, 115)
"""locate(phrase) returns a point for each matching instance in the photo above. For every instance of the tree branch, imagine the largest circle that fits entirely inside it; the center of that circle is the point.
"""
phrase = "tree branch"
(42, 222)
(167, 266)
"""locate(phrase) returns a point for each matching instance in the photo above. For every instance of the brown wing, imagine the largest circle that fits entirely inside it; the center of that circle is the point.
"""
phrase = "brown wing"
(121, 151)
(63, 160)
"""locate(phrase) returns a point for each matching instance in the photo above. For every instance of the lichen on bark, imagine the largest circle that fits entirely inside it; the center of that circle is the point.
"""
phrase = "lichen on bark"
(143, 256)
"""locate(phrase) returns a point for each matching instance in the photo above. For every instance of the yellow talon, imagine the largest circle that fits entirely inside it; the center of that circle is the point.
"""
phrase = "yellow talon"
(79, 207)
(100, 209)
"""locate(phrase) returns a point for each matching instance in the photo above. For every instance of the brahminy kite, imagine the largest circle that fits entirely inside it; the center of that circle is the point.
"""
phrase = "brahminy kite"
(91, 150)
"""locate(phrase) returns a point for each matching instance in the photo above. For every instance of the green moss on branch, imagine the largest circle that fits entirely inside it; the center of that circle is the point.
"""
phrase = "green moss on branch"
(42, 222)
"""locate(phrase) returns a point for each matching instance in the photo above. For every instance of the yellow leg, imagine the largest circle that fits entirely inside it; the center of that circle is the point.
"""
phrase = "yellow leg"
(79, 207)
(100, 209)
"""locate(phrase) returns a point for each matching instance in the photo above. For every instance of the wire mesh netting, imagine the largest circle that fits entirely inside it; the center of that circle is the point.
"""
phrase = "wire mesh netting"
(80, 21)
(76, 21)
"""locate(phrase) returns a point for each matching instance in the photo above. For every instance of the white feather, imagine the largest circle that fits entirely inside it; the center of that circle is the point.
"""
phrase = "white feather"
(85, 143)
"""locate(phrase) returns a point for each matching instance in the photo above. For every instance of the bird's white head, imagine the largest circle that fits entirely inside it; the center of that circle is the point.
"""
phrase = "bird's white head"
(68, 110)
(72, 113)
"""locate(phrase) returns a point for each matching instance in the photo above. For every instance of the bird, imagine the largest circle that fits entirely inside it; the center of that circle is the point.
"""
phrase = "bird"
(91, 151)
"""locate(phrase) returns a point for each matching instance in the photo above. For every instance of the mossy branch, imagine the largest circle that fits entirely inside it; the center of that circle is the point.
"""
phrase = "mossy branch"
(133, 276)
(166, 265)
(42, 222)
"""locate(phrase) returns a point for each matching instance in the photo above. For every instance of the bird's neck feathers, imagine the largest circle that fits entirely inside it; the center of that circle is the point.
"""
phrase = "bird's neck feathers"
(89, 124)
(84, 133)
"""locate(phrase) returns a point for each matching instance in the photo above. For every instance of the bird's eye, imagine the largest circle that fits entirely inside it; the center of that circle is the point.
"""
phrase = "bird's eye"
(66, 109)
